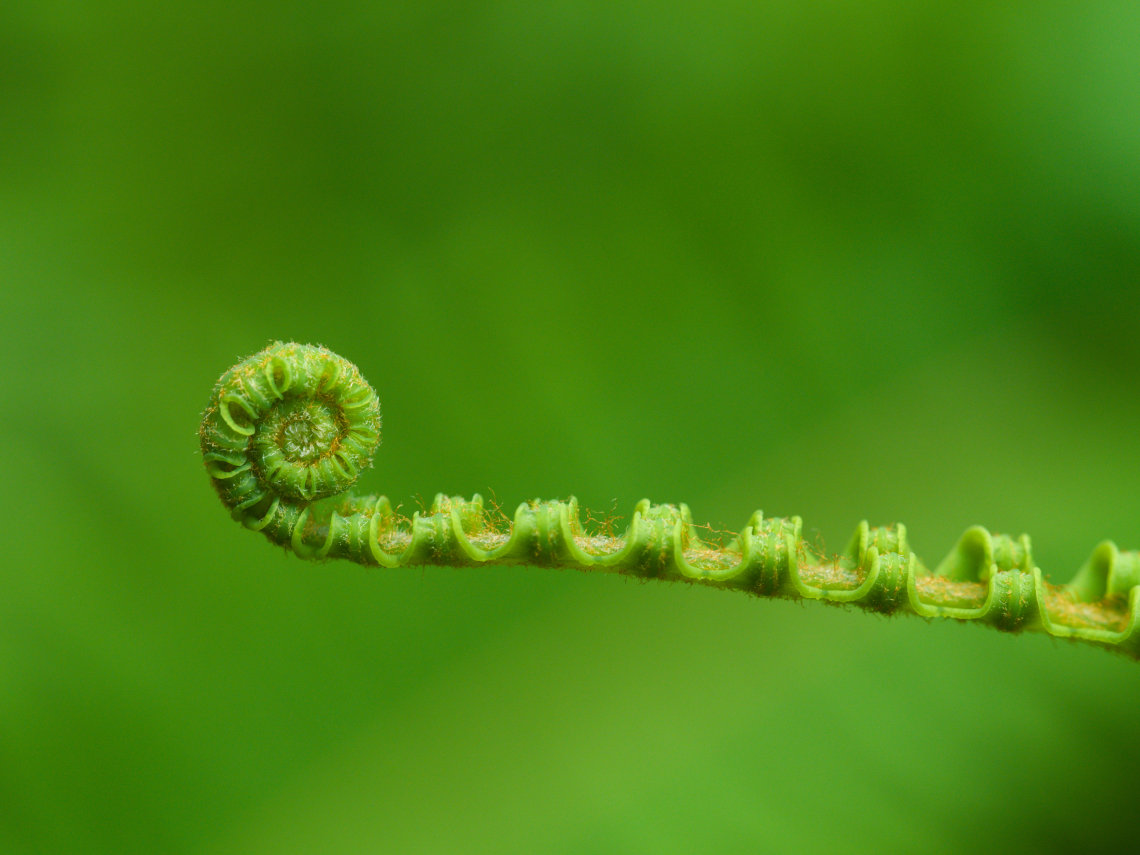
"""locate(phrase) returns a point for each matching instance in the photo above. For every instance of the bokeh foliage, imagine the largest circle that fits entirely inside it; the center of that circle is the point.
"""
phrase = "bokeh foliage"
(842, 260)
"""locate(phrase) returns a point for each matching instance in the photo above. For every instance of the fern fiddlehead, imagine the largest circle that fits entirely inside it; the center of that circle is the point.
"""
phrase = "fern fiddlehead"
(289, 429)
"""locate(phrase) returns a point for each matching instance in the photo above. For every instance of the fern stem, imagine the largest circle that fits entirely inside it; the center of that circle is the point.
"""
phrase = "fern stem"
(289, 429)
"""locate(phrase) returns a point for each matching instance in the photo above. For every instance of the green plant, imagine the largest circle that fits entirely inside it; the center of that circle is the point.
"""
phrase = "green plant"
(289, 429)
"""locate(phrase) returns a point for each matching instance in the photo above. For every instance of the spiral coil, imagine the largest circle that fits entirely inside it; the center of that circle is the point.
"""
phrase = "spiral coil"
(289, 430)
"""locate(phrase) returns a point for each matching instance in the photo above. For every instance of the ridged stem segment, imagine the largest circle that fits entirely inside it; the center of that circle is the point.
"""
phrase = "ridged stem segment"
(288, 431)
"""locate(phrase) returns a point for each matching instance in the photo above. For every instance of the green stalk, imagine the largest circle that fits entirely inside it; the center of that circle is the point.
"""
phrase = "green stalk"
(289, 430)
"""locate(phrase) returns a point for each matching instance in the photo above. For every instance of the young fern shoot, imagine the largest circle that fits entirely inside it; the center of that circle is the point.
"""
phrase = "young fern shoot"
(289, 429)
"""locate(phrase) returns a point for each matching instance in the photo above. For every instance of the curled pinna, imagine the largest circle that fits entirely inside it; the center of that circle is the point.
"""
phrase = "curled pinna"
(286, 428)
(289, 429)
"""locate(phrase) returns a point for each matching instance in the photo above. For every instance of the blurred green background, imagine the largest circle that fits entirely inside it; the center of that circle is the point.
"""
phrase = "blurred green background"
(874, 260)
